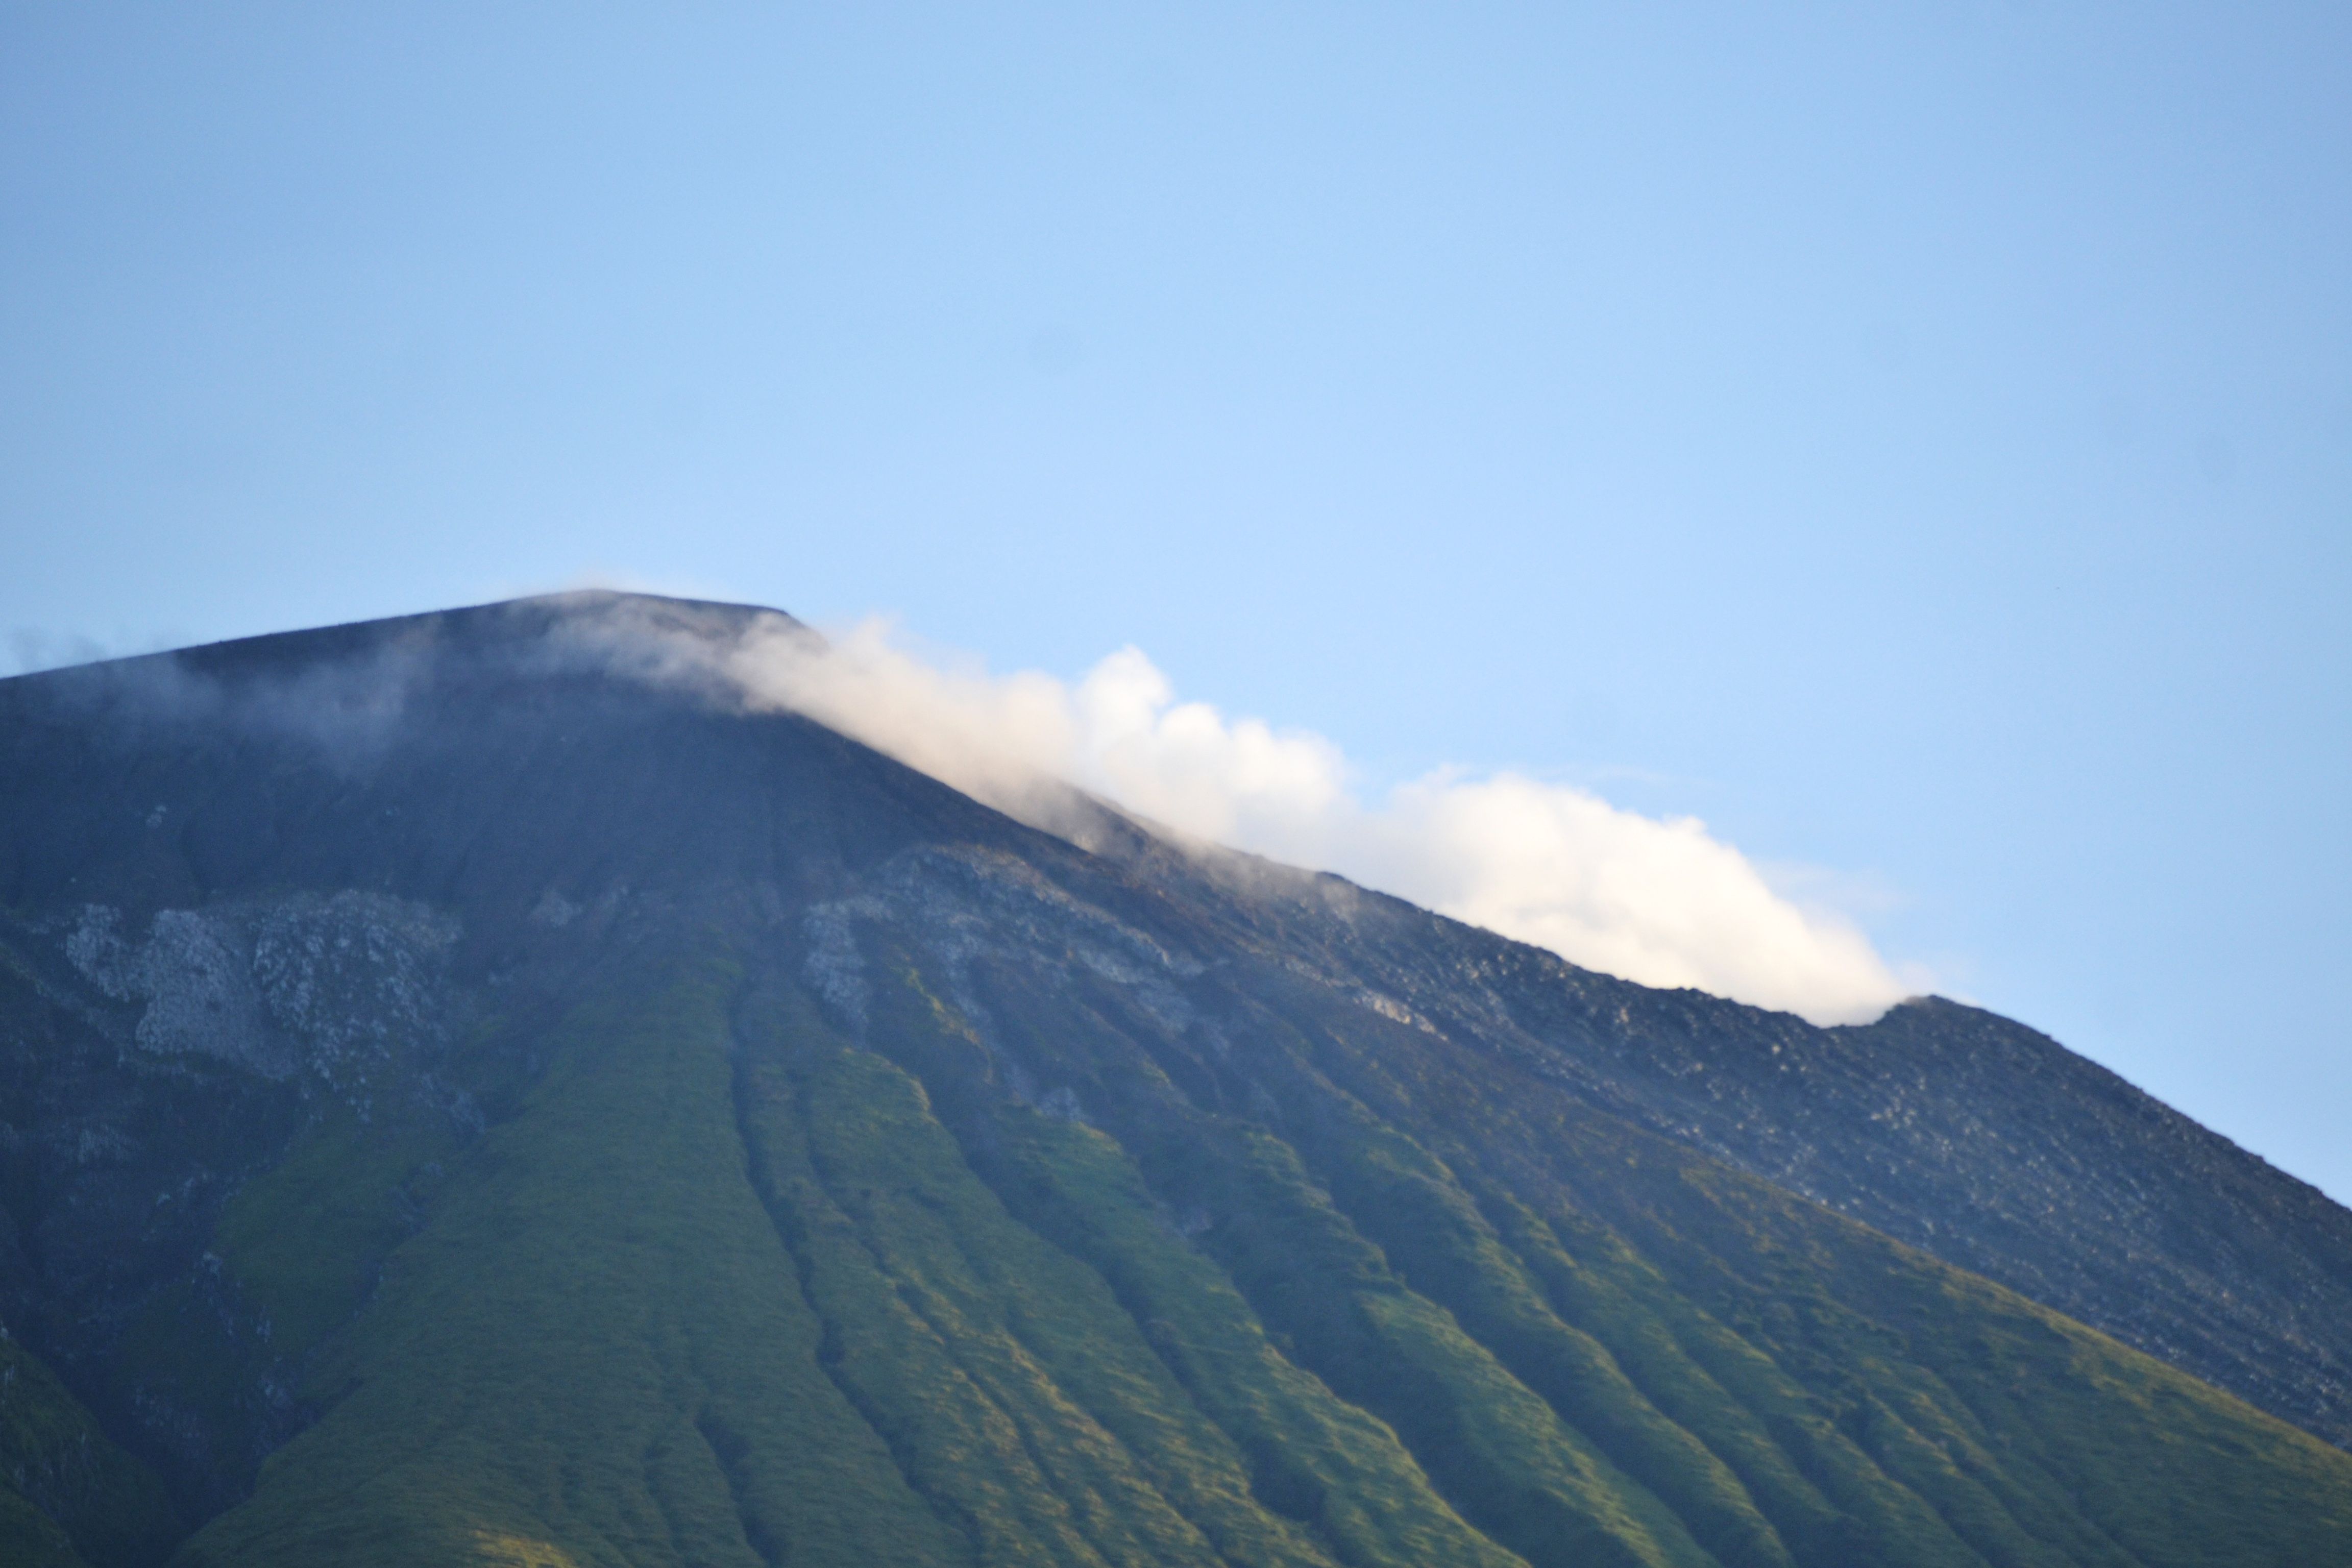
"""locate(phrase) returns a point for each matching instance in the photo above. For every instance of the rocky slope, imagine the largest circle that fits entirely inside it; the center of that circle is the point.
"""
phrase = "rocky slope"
(1959, 1132)
(468, 1092)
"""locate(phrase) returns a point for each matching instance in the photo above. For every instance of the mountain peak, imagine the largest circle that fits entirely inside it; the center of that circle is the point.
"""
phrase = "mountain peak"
(541, 628)
(509, 627)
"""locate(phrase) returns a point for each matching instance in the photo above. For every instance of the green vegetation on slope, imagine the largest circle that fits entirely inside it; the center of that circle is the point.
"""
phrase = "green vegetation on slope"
(595, 1353)
(1023, 1396)
(1944, 1418)
(1855, 1399)
(727, 1288)
(304, 1240)
(68, 1496)
(31, 1539)
(1408, 1202)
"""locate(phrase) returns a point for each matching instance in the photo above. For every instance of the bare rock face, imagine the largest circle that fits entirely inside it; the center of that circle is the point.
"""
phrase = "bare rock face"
(332, 987)
(192, 977)
(358, 980)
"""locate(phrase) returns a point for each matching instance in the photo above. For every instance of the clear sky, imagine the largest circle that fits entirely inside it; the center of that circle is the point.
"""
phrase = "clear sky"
(1914, 438)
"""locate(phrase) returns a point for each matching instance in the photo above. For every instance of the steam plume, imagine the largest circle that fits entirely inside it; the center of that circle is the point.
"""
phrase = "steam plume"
(1656, 900)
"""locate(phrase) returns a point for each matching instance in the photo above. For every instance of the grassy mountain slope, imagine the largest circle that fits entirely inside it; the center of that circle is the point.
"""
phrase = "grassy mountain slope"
(1964, 1134)
(732, 1286)
(596, 1351)
(68, 1496)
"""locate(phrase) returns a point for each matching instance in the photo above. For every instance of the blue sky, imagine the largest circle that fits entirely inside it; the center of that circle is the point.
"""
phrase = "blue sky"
(1916, 439)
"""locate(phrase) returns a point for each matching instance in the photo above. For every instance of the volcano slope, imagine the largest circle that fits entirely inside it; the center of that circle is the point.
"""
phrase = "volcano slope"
(468, 1094)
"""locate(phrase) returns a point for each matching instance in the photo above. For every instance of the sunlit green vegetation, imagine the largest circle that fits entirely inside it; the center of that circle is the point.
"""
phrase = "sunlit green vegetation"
(726, 1285)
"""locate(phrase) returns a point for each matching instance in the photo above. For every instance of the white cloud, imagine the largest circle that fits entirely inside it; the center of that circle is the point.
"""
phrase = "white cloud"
(1657, 900)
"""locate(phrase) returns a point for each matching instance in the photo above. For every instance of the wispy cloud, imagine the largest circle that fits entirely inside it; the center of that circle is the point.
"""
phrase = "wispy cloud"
(1659, 900)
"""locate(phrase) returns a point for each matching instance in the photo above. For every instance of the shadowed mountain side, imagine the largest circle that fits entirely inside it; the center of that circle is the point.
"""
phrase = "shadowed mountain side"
(466, 1104)
(69, 1497)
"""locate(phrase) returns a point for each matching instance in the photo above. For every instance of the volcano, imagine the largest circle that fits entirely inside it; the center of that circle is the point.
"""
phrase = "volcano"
(475, 1089)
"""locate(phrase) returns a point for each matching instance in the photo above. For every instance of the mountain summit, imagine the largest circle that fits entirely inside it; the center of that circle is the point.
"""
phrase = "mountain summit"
(475, 1089)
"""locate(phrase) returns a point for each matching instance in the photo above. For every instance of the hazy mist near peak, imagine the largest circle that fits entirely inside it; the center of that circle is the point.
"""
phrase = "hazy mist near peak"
(1658, 901)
